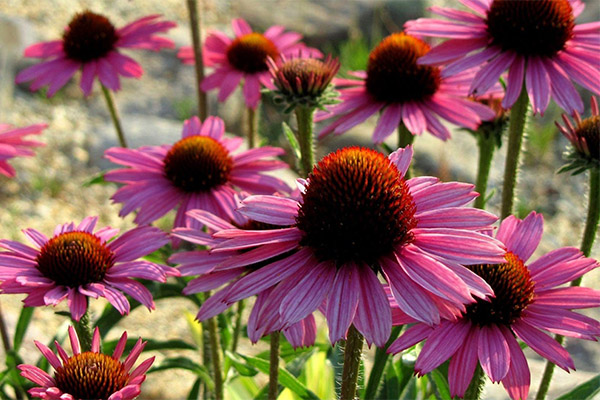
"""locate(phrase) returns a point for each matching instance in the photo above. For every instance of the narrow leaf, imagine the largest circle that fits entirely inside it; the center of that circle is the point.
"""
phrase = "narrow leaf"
(586, 391)
(21, 328)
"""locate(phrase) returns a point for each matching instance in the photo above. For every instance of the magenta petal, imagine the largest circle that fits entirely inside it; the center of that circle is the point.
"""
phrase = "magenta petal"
(36, 375)
(538, 84)
(402, 158)
(375, 326)
(515, 82)
(522, 237)
(438, 348)
(516, 381)
(270, 209)
(120, 346)
(462, 365)
(412, 336)
(387, 123)
(50, 356)
(494, 355)
(543, 344)
(134, 289)
(342, 301)
(77, 304)
(569, 297)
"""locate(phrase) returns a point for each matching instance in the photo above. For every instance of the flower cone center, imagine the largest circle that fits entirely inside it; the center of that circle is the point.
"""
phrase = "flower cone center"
(393, 75)
(89, 37)
(198, 164)
(248, 53)
(91, 376)
(513, 289)
(74, 259)
(531, 28)
(589, 131)
(356, 207)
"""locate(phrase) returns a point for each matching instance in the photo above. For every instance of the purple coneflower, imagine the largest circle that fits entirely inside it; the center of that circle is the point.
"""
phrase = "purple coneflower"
(89, 374)
(13, 144)
(200, 171)
(77, 263)
(536, 40)
(414, 95)
(91, 43)
(527, 302)
(358, 219)
(244, 57)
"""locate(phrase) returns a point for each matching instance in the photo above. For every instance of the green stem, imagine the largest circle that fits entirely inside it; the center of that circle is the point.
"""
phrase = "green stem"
(405, 138)
(518, 115)
(589, 234)
(251, 128)
(196, 31)
(274, 367)
(114, 115)
(237, 330)
(304, 116)
(487, 145)
(476, 386)
(84, 331)
(215, 351)
(4, 332)
(352, 355)
(381, 357)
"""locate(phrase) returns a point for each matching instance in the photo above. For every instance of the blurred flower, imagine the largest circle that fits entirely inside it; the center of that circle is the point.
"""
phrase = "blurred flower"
(197, 172)
(77, 263)
(585, 139)
(88, 375)
(91, 43)
(535, 40)
(303, 81)
(415, 95)
(216, 270)
(13, 144)
(527, 302)
(357, 218)
(244, 57)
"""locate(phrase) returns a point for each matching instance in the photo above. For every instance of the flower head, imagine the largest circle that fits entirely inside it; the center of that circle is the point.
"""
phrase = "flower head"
(527, 302)
(405, 92)
(244, 57)
(585, 139)
(89, 374)
(357, 218)
(13, 144)
(91, 43)
(216, 269)
(199, 171)
(303, 81)
(538, 43)
(77, 263)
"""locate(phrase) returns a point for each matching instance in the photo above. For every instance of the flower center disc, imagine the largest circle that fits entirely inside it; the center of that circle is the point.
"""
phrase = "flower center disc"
(74, 259)
(590, 130)
(248, 53)
(512, 286)
(531, 28)
(90, 36)
(356, 207)
(91, 376)
(198, 164)
(393, 75)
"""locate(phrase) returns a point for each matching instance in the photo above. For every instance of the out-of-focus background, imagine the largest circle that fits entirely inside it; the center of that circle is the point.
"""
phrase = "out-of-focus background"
(50, 188)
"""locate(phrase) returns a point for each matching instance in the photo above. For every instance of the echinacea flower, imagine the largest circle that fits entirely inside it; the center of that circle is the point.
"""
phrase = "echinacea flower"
(538, 43)
(214, 271)
(244, 57)
(404, 92)
(303, 80)
(91, 43)
(528, 301)
(585, 140)
(88, 374)
(13, 144)
(77, 263)
(200, 171)
(358, 218)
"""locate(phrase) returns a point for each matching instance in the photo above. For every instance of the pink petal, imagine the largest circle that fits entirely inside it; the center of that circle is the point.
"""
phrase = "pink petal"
(387, 123)
(343, 301)
(522, 237)
(402, 158)
(462, 365)
(50, 356)
(515, 82)
(375, 326)
(516, 381)
(543, 344)
(494, 355)
(569, 297)
(538, 84)
(240, 27)
(438, 348)
(251, 91)
(270, 209)
(412, 336)
(229, 85)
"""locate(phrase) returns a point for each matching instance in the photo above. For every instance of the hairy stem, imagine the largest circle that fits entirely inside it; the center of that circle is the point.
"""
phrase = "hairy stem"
(274, 367)
(84, 331)
(237, 330)
(114, 115)
(196, 31)
(252, 123)
(476, 386)
(381, 358)
(352, 355)
(304, 116)
(215, 351)
(518, 115)
(487, 145)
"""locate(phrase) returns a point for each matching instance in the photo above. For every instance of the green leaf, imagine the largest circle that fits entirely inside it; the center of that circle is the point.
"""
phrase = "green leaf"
(185, 363)
(292, 140)
(440, 384)
(586, 391)
(390, 389)
(21, 328)
(96, 180)
(195, 391)
(108, 347)
(285, 378)
(240, 365)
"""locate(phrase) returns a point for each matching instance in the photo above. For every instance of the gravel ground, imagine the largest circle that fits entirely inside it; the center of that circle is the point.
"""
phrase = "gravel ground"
(48, 188)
